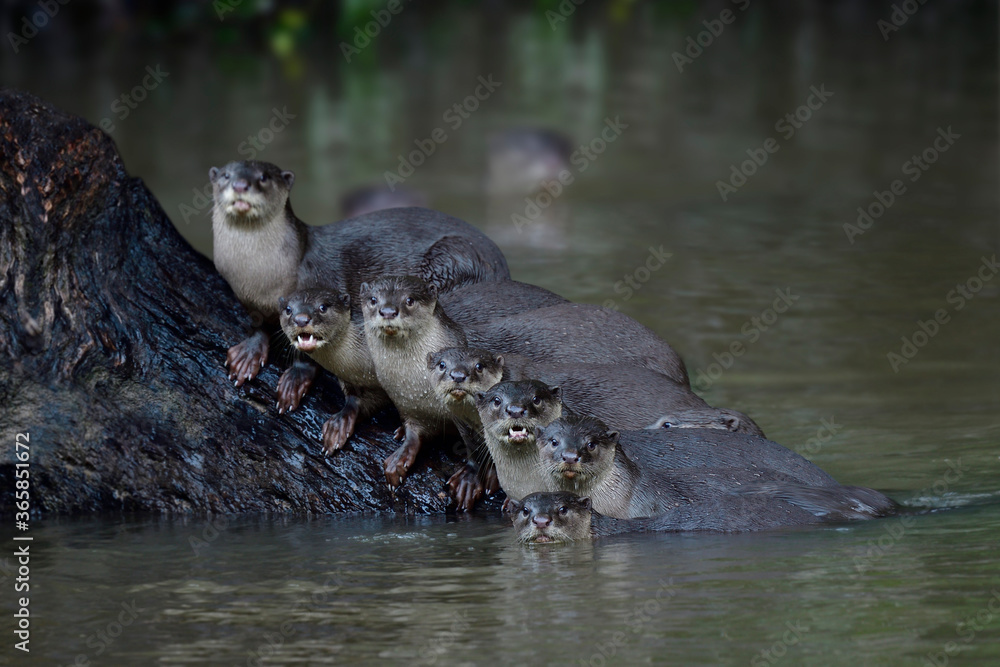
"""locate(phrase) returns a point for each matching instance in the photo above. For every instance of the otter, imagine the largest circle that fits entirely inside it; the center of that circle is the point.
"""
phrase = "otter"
(580, 333)
(523, 159)
(478, 304)
(626, 397)
(548, 517)
(320, 323)
(265, 252)
(403, 326)
(580, 454)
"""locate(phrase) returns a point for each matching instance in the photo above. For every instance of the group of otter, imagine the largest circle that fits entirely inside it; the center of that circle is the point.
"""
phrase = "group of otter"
(581, 415)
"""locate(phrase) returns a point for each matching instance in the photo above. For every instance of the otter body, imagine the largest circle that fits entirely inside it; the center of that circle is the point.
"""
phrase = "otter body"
(625, 397)
(478, 304)
(565, 517)
(580, 333)
(320, 323)
(265, 252)
(403, 327)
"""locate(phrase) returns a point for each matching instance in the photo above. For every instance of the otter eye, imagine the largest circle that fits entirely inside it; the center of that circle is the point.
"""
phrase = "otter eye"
(564, 510)
(591, 446)
(264, 178)
(497, 401)
(322, 307)
(554, 442)
(288, 310)
(666, 424)
(225, 175)
(526, 512)
(536, 401)
(373, 301)
(443, 366)
(409, 301)
(479, 367)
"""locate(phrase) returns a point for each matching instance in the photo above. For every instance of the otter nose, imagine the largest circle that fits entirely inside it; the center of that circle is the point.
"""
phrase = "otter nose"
(241, 185)
(571, 456)
(388, 313)
(457, 376)
(301, 320)
(541, 520)
(515, 410)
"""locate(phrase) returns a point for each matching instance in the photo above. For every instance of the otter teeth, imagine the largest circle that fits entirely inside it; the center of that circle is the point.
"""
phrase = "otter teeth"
(306, 342)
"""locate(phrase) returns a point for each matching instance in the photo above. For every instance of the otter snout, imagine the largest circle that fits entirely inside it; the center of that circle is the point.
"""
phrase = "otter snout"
(458, 376)
(301, 320)
(388, 313)
(241, 185)
(515, 411)
(541, 520)
(571, 456)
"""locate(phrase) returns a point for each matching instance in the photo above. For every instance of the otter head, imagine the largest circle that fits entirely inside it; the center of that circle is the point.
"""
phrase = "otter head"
(717, 418)
(397, 307)
(576, 452)
(510, 411)
(551, 517)
(250, 193)
(312, 318)
(459, 373)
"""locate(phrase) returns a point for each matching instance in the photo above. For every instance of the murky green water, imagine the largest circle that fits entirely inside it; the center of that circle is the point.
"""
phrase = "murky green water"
(816, 376)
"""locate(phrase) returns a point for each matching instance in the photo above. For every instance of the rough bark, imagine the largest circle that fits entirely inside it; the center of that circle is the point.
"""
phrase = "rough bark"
(113, 334)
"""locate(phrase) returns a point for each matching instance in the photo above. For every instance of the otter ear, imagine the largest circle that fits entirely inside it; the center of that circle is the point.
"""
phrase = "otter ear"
(364, 288)
(731, 423)
(498, 360)
(480, 397)
(433, 289)
(538, 434)
(585, 503)
(345, 299)
(289, 178)
(612, 436)
(555, 390)
(513, 506)
(282, 302)
(431, 359)
(213, 173)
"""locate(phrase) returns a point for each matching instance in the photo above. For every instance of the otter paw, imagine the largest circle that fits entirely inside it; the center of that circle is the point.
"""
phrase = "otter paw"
(399, 434)
(337, 430)
(506, 507)
(293, 385)
(466, 487)
(399, 463)
(246, 359)
(491, 483)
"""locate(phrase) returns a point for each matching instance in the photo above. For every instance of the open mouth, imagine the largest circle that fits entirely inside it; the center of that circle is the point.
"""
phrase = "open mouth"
(241, 206)
(458, 394)
(389, 330)
(307, 342)
(517, 434)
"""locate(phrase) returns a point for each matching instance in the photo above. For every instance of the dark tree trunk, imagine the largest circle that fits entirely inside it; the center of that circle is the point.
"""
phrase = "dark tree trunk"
(113, 334)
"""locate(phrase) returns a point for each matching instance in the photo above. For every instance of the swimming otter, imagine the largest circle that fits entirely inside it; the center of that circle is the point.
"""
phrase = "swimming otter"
(626, 397)
(403, 326)
(547, 517)
(320, 323)
(265, 252)
(580, 333)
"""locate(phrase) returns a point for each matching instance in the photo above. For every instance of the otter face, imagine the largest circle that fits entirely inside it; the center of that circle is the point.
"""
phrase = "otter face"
(250, 192)
(394, 308)
(717, 418)
(543, 518)
(576, 452)
(510, 411)
(313, 318)
(459, 373)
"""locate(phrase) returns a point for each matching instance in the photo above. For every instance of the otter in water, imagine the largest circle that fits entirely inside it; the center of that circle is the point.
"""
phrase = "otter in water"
(581, 455)
(320, 323)
(626, 397)
(547, 517)
(265, 252)
(403, 326)
(580, 333)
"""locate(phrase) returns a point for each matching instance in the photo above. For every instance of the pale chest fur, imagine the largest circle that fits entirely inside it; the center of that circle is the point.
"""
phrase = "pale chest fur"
(402, 372)
(518, 472)
(349, 359)
(260, 264)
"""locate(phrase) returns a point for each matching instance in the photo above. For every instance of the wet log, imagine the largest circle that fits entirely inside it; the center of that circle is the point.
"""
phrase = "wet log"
(113, 334)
